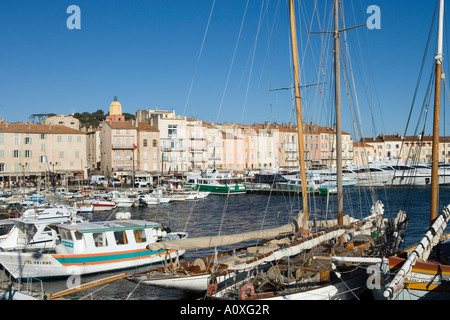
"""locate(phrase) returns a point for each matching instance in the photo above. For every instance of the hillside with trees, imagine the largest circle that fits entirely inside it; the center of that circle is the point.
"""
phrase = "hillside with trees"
(86, 119)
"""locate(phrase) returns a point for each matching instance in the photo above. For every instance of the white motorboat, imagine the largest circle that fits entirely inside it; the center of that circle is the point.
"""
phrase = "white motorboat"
(33, 231)
(121, 199)
(155, 197)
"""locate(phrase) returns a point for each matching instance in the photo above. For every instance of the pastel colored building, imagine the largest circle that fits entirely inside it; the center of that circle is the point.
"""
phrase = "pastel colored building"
(38, 151)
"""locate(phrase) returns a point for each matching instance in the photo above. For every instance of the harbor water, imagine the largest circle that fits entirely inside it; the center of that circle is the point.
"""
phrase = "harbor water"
(246, 212)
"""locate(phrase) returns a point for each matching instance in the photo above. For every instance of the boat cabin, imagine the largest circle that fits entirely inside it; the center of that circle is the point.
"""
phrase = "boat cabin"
(118, 235)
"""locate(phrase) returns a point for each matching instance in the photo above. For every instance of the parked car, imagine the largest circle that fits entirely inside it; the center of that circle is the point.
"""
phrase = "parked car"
(98, 180)
(115, 182)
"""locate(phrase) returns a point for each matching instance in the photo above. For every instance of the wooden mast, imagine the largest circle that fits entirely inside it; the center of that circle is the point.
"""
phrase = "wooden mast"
(437, 106)
(298, 108)
(337, 75)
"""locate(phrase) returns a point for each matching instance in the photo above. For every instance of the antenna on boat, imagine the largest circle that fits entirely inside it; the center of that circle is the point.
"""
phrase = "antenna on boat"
(437, 105)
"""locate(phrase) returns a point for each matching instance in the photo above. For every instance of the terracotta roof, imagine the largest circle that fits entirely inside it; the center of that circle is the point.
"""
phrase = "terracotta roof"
(144, 126)
(362, 144)
(383, 138)
(37, 128)
(120, 124)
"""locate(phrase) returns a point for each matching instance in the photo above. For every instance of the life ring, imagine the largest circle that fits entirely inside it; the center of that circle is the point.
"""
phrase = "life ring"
(247, 287)
(212, 287)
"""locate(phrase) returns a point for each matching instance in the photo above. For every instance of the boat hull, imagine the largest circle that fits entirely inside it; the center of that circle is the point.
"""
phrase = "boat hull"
(350, 288)
(28, 265)
(427, 281)
(192, 283)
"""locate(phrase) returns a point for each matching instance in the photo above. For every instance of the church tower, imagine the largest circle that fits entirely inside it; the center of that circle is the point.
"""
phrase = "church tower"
(115, 111)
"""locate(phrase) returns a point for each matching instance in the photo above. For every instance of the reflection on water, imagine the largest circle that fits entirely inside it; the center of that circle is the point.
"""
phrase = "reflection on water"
(246, 213)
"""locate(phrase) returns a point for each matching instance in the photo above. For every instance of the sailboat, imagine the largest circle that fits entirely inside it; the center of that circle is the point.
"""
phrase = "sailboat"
(236, 268)
(327, 270)
(423, 271)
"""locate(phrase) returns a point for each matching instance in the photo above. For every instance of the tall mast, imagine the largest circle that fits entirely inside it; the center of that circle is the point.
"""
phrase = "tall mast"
(337, 74)
(437, 106)
(298, 108)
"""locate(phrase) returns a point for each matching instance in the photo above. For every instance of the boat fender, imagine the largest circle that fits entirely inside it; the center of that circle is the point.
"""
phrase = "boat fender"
(165, 228)
(247, 290)
(212, 286)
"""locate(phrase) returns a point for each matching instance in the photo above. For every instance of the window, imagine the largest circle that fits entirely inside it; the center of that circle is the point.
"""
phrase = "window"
(100, 239)
(172, 131)
(145, 142)
(16, 153)
(69, 138)
(27, 154)
(139, 236)
(65, 234)
(58, 138)
(27, 140)
(42, 159)
(2, 167)
(155, 143)
(61, 154)
(121, 237)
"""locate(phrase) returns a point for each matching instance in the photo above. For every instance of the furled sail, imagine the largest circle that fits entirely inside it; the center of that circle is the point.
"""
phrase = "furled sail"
(420, 253)
(217, 241)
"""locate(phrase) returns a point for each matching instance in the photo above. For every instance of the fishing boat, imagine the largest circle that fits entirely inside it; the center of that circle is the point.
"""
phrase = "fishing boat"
(93, 247)
(422, 272)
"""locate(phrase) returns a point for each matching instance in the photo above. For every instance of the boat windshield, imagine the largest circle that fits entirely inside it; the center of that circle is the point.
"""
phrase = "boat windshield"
(28, 230)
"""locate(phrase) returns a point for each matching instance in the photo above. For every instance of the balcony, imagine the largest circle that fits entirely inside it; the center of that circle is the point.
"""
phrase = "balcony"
(168, 149)
(122, 147)
(198, 149)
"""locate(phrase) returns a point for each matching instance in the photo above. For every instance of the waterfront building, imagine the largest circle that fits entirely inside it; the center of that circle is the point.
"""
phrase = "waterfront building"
(117, 147)
(327, 146)
(93, 149)
(197, 144)
(363, 153)
(214, 146)
(38, 152)
(407, 148)
(147, 152)
(146, 115)
(173, 143)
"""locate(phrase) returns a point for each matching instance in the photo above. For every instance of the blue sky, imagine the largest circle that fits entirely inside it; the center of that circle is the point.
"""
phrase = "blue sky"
(146, 52)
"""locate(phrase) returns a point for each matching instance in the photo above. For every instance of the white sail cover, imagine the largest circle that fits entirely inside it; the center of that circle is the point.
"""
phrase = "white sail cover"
(421, 252)
(217, 241)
